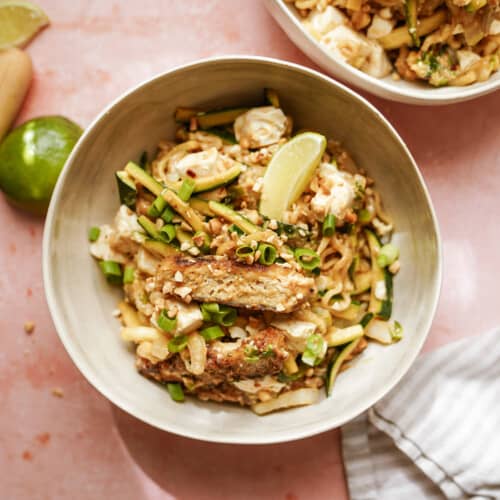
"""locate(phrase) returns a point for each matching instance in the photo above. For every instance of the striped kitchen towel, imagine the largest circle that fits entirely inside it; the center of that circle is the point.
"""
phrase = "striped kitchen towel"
(437, 434)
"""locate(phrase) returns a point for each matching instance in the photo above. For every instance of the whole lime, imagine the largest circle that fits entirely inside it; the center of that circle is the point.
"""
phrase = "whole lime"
(31, 159)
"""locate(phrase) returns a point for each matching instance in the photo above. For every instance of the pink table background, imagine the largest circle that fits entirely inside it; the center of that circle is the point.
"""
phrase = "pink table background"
(80, 446)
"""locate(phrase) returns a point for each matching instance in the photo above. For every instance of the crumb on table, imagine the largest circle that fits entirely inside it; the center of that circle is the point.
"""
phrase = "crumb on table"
(57, 392)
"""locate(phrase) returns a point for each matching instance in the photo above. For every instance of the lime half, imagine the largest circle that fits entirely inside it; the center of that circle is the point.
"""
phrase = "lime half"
(289, 172)
(19, 22)
(31, 158)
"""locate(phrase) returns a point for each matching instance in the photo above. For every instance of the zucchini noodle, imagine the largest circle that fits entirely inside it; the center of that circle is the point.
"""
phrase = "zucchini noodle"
(381, 213)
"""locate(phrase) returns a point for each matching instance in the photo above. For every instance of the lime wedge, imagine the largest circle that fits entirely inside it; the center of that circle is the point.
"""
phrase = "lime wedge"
(19, 22)
(289, 172)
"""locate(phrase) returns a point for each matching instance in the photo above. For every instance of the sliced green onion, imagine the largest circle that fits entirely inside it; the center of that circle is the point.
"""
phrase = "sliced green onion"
(212, 332)
(315, 350)
(178, 344)
(165, 323)
(396, 331)
(94, 233)
(267, 254)
(112, 270)
(244, 251)
(269, 351)
(167, 233)
(208, 309)
(128, 275)
(329, 225)
(252, 354)
(157, 207)
(176, 392)
(226, 316)
(168, 214)
(233, 228)
(223, 315)
(292, 231)
(186, 189)
(364, 216)
(387, 255)
(307, 258)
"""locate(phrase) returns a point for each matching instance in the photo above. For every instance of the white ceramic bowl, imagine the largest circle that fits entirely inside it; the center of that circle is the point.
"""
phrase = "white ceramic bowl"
(81, 302)
(402, 91)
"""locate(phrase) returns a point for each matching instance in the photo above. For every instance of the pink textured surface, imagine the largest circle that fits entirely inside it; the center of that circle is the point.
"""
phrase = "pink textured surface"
(82, 447)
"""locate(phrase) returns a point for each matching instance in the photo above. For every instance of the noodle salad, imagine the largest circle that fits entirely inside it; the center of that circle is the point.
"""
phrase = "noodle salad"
(441, 42)
(256, 262)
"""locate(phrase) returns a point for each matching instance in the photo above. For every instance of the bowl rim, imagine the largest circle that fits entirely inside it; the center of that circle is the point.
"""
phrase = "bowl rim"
(54, 308)
(376, 86)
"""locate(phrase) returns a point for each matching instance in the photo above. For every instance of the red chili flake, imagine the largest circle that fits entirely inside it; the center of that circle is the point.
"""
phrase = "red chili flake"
(27, 455)
(43, 438)
(29, 292)
(191, 173)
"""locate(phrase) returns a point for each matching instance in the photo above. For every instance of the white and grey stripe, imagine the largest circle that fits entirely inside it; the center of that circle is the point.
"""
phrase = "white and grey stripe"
(436, 435)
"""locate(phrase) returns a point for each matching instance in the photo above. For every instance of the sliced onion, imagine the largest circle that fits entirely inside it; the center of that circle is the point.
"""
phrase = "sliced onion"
(237, 333)
(139, 334)
(253, 386)
(342, 304)
(144, 351)
(130, 317)
(379, 330)
(146, 262)
(147, 351)
(300, 397)
(159, 348)
(197, 354)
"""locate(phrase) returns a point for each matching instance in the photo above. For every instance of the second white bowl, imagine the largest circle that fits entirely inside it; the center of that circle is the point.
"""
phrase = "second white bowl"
(401, 90)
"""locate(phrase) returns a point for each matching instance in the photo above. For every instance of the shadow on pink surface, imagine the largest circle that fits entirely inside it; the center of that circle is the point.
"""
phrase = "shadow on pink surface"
(186, 468)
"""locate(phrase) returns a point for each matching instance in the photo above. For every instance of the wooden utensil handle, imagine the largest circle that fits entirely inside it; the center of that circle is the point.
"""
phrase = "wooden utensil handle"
(15, 78)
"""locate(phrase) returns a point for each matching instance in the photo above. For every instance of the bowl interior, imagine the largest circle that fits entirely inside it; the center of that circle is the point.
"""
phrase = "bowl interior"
(403, 91)
(81, 302)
